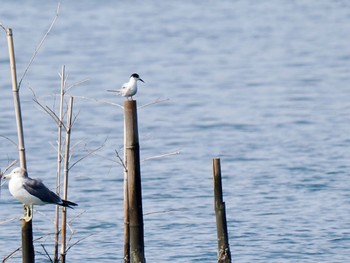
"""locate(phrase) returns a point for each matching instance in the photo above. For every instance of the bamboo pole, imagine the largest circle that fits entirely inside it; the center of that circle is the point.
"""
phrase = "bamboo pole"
(17, 103)
(27, 230)
(59, 163)
(134, 183)
(224, 254)
(65, 181)
(126, 204)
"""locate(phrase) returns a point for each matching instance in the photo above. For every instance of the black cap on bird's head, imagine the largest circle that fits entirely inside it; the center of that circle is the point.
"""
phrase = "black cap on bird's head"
(136, 76)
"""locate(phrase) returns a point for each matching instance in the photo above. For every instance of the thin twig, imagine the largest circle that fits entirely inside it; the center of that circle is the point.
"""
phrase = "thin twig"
(7, 221)
(18, 249)
(46, 109)
(7, 138)
(47, 254)
(77, 216)
(76, 145)
(75, 118)
(77, 242)
(64, 84)
(157, 101)
(161, 156)
(121, 161)
(77, 84)
(108, 159)
(11, 254)
(160, 212)
(7, 168)
(87, 155)
(4, 28)
(40, 44)
(100, 101)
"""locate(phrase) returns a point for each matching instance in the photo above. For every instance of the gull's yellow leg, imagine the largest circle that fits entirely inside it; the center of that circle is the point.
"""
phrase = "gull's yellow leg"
(28, 213)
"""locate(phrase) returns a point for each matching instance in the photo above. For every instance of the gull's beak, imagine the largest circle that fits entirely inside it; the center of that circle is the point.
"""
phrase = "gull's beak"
(141, 80)
(6, 176)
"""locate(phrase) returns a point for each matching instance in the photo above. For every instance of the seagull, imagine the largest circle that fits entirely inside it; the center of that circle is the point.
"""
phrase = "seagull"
(32, 191)
(129, 89)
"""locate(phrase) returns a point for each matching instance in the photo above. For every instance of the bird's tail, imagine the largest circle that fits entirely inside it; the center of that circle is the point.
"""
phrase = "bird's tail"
(114, 90)
(68, 204)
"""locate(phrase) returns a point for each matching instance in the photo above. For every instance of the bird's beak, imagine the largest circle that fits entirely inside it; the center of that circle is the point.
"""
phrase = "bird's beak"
(6, 176)
(141, 80)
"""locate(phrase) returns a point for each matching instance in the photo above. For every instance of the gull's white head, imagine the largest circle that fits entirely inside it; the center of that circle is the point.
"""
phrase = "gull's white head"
(16, 173)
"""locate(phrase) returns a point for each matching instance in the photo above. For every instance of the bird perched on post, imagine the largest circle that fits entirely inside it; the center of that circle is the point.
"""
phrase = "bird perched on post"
(129, 89)
(32, 192)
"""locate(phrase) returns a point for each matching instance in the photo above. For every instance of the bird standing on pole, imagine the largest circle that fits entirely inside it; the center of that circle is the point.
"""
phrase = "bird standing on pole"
(129, 89)
(32, 191)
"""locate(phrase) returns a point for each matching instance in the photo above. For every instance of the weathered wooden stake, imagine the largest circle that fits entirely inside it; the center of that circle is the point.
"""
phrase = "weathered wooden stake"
(27, 230)
(224, 254)
(134, 183)
(27, 242)
(126, 205)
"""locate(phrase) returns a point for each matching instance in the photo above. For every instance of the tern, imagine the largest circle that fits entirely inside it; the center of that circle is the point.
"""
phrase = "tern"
(129, 89)
(32, 192)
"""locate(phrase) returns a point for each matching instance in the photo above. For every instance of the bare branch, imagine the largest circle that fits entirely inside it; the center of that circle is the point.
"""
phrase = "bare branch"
(77, 84)
(46, 109)
(121, 161)
(109, 159)
(90, 152)
(4, 28)
(100, 101)
(65, 80)
(47, 254)
(8, 167)
(160, 212)
(40, 45)
(76, 145)
(161, 156)
(18, 249)
(77, 242)
(77, 216)
(7, 138)
(75, 118)
(11, 254)
(7, 221)
(157, 101)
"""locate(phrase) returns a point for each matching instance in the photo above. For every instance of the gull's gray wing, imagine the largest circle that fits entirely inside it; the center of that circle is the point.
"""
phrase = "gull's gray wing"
(37, 188)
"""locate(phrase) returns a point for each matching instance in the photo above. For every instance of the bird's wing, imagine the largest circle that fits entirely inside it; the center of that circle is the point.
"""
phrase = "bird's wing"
(119, 91)
(37, 188)
(124, 87)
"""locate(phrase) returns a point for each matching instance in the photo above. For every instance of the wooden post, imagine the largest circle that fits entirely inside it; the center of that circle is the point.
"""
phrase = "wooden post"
(134, 183)
(65, 181)
(27, 230)
(27, 242)
(126, 204)
(224, 254)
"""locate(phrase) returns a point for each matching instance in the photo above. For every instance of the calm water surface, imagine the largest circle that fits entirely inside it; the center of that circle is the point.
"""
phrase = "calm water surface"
(264, 86)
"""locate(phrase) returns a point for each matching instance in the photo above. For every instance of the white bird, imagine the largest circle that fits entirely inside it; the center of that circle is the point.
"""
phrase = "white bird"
(129, 89)
(32, 191)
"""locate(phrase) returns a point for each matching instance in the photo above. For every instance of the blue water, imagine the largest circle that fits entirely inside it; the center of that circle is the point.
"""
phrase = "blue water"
(264, 85)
